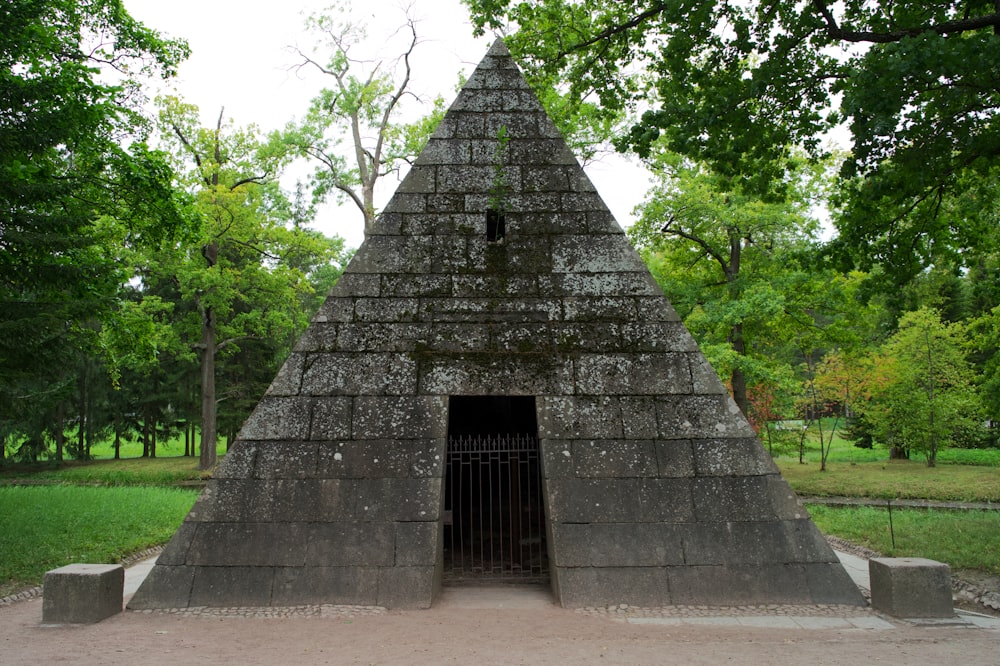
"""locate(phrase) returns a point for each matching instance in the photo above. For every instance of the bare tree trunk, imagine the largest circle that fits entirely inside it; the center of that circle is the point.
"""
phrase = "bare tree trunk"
(208, 456)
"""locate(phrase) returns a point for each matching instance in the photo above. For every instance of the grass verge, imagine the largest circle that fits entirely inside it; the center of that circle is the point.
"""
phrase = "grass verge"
(896, 479)
(962, 539)
(44, 527)
(130, 472)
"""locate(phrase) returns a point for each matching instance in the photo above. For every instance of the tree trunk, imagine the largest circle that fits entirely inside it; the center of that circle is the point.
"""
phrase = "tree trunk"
(60, 434)
(145, 433)
(738, 379)
(732, 270)
(208, 407)
(118, 441)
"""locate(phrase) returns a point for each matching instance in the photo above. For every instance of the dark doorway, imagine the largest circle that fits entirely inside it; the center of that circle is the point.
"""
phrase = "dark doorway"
(494, 527)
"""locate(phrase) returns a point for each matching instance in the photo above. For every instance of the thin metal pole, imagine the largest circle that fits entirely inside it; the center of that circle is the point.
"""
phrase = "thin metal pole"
(892, 533)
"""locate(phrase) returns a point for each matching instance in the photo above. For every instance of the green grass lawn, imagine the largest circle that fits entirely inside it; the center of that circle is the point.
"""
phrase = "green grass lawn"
(126, 472)
(896, 479)
(963, 539)
(44, 527)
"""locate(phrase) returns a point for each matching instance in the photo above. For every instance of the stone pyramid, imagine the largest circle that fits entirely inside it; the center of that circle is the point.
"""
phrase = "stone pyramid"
(496, 275)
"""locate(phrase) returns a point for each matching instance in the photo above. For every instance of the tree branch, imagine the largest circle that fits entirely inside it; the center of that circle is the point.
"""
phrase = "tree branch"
(657, 8)
(945, 28)
(704, 245)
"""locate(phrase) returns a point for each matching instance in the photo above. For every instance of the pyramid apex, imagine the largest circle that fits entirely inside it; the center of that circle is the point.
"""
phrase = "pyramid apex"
(499, 48)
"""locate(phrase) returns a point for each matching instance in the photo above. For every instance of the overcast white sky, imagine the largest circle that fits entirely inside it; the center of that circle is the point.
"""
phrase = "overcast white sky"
(240, 60)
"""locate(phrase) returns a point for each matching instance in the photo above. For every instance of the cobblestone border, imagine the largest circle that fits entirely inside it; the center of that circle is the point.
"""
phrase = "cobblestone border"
(624, 611)
(271, 612)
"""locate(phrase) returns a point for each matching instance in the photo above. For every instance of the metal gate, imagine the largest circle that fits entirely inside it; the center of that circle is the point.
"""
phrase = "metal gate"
(494, 527)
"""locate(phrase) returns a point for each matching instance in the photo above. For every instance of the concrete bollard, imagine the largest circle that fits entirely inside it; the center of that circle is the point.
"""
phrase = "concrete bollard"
(82, 593)
(911, 587)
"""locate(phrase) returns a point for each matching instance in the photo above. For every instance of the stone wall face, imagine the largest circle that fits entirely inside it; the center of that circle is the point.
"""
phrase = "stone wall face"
(657, 491)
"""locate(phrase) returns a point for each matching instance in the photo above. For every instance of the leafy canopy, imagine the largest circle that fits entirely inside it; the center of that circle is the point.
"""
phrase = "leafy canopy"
(78, 187)
(735, 83)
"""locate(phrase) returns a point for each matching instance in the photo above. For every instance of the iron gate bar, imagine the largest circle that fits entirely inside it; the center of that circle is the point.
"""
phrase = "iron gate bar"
(495, 504)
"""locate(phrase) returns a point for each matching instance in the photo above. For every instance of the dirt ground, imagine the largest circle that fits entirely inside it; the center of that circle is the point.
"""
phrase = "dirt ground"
(449, 633)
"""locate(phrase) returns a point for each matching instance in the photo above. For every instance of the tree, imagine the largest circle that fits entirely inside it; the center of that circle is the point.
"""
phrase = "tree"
(735, 83)
(363, 104)
(919, 393)
(231, 271)
(77, 185)
(736, 267)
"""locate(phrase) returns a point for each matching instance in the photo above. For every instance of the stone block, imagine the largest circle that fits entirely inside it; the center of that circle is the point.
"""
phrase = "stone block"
(738, 585)
(365, 459)
(175, 552)
(405, 417)
(557, 459)
(289, 377)
(491, 374)
(226, 586)
(674, 458)
(911, 587)
(164, 587)
(594, 254)
(602, 586)
(614, 458)
(82, 593)
(238, 462)
(567, 417)
(605, 309)
(406, 587)
(393, 254)
(340, 544)
(829, 583)
(636, 374)
(736, 543)
(722, 499)
(617, 545)
(249, 544)
(417, 543)
(700, 417)
(732, 457)
(354, 585)
(331, 418)
(286, 460)
(619, 500)
(658, 336)
(638, 417)
(305, 500)
(278, 418)
(366, 373)
(399, 499)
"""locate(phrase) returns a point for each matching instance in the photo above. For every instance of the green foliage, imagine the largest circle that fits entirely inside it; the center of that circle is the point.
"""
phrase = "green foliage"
(741, 272)
(734, 84)
(78, 186)
(919, 393)
(81, 524)
(962, 539)
(241, 279)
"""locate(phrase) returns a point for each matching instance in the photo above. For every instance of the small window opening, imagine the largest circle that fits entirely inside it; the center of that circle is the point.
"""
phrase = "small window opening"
(496, 226)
